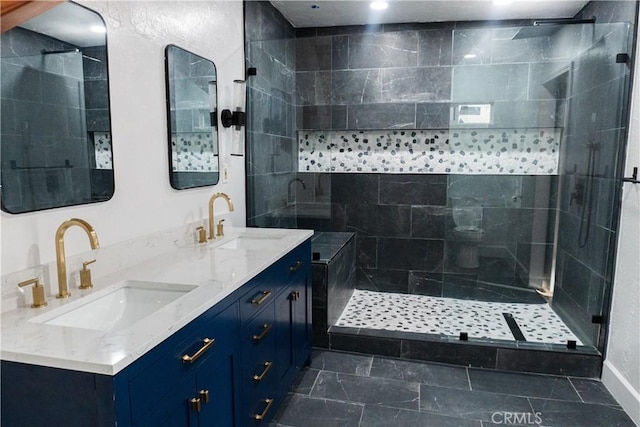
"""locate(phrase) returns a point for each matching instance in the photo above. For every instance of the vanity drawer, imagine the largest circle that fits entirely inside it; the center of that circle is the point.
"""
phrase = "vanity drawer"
(286, 270)
(164, 367)
(260, 410)
(294, 265)
(259, 335)
(256, 299)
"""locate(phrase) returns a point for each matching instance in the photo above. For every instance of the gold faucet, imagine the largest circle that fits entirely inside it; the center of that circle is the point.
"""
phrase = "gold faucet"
(211, 200)
(63, 290)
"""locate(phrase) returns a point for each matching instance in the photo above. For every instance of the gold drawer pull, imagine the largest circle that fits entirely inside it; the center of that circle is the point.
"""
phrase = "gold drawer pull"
(263, 298)
(207, 344)
(204, 396)
(296, 267)
(267, 367)
(195, 404)
(261, 416)
(295, 295)
(265, 331)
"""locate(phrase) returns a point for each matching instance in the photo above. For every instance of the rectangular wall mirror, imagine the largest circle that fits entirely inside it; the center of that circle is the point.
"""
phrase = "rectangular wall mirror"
(56, 127)
(191, 117)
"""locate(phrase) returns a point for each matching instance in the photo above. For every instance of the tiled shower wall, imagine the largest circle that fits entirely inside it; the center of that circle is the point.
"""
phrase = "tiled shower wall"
(271, 138)
(356, 83)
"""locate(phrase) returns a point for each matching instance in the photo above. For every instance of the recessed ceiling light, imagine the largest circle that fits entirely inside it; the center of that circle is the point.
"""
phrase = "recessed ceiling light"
(98, 29)
(379, 5)
(470, 56)
(502, 2)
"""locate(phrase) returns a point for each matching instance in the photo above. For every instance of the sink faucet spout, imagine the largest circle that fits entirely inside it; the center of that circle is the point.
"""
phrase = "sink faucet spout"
(211, 221)
(63, 289)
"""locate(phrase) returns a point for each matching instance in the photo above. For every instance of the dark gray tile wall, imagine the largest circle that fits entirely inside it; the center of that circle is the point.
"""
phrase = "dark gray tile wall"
(271, 143)
(407, 75)
(403, 226)
(96, 91)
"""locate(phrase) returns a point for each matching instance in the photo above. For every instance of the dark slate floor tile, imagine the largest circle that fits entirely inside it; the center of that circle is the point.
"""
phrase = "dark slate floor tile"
(304, 381)
(476, 405)
(380, 416)
(355, 364)
(355, 389)
(593, 391)
(543, 386)
(301, 411)
(569, 414)
(425, 373)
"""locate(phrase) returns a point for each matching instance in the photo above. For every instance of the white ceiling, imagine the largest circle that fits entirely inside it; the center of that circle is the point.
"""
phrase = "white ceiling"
(357, 12)
(68, 22)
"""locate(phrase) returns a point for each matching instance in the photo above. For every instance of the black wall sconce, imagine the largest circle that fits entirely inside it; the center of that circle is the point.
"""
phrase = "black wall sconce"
(236, 118)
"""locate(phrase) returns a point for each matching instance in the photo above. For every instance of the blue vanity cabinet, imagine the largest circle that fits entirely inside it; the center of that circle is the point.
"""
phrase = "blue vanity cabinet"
(276, 334)
(155, 390)
(164, 389)
(262, 334)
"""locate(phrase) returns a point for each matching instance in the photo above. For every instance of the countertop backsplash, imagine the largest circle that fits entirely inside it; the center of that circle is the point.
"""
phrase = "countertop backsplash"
(109, 259)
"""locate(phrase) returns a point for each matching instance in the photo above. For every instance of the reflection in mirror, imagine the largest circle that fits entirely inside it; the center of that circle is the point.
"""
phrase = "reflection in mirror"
(191, 109)
(55, 128)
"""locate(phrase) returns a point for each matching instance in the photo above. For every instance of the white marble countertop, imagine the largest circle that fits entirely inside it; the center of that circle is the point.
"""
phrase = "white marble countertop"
(216, 272)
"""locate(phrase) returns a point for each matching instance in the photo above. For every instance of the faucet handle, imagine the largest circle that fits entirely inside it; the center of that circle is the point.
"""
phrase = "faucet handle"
(220, 228)
(202, 235)
(85, 275)
(37, 291)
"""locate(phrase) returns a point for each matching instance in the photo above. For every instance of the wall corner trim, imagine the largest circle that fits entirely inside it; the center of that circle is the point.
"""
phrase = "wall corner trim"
(621, 390)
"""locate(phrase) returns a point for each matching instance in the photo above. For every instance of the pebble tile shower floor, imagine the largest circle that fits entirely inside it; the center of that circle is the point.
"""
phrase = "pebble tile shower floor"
(450, 316)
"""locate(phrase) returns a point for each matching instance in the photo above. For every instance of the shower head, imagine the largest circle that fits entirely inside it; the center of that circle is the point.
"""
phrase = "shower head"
(73, 50)
(547, 27)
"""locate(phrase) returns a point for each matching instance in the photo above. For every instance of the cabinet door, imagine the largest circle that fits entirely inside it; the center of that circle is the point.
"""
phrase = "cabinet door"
(173, 410)
(215, 393)
(301, 328)
(284, 333)
(293, 317)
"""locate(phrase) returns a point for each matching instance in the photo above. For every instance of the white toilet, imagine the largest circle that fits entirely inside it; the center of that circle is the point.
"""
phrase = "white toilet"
(467, 215)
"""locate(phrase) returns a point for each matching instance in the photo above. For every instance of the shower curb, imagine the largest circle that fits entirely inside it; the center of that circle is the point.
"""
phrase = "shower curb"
(520, 356)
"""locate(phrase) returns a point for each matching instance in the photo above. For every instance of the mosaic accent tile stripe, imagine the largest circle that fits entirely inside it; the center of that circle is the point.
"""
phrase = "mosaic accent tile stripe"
(196, 152)
(450, 316)
(529, 151)
(102, 150)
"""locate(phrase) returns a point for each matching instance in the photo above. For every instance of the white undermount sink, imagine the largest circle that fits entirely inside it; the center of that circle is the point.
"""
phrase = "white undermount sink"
(116, 307)
(257, 241)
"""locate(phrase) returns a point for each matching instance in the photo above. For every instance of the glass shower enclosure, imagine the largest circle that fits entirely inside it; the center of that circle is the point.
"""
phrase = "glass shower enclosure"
(475, 164)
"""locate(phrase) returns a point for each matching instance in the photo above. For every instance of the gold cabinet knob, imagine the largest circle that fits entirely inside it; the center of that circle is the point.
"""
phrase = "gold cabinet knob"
(204, 396)
(196, 404)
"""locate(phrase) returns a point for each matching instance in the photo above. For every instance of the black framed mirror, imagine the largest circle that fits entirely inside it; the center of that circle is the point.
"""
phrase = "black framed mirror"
(56, 129)
(191, 118)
